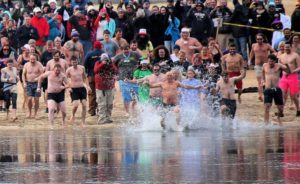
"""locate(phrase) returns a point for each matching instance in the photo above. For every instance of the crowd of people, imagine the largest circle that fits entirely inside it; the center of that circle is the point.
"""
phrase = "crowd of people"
(186, 54)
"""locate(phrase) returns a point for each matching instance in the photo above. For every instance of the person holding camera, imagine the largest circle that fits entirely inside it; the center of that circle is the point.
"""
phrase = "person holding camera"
(105, 72)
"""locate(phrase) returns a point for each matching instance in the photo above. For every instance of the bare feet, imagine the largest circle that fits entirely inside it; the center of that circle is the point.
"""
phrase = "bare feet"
(28, 116)
(82, 124)
(14, 119)
(51, 127)
(260, 98)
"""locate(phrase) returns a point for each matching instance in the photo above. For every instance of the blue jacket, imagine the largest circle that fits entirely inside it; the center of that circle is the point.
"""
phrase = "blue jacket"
(53, 29)
(90, 59)
(173, 30)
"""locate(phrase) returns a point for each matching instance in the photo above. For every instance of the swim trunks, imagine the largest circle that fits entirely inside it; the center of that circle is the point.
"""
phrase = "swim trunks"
(57, 97)
(289, 82)
(155, 101)
(239, 84)
(231, 105)
(78, 94)
(258, 70)
(31, 88)
(273, 93)
(128, 90)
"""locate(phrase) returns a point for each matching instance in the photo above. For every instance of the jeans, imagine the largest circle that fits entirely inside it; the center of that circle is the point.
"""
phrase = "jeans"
(241, 46)
(169, 45)
(87, 46)
(10, 98)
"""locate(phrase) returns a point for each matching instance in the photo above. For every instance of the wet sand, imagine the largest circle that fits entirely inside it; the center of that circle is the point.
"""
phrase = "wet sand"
(250, 110)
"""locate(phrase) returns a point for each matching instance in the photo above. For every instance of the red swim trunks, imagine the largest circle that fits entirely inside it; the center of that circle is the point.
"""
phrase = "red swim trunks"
(238, 84)
(289, 82)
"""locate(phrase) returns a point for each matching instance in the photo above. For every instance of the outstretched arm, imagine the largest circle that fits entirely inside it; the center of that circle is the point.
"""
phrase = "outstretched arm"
(241, 77)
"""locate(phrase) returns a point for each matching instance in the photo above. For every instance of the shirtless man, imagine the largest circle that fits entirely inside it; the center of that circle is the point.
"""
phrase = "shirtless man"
(79, 86)
(169, 94)
(289, 81)
(57, 82)
(270, 78)
(226, 87)
(31, 72)
(188, 44)
(57, 60)
(232, 64)
(74, 48)
(260, 51)
(156, 77)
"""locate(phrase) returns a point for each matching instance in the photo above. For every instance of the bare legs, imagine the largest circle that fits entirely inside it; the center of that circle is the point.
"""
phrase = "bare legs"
(30, 104)
(52, 105)
(75, 104)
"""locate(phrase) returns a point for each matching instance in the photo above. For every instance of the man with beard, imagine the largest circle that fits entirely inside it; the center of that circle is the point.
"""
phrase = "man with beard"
(144, 43)
(31, 72)
(126, 62)
(226, 87)
(260, 51)
(57, 82)
(82, 25)
(78, 88)
(57, 60)
(270, 79)
(89, 62)
(232, 64)
(74, 48)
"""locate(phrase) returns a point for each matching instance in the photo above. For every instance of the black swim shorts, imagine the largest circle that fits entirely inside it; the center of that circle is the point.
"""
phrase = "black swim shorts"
(57, 97)
(78, 94)
(231, 105)
(273, 93)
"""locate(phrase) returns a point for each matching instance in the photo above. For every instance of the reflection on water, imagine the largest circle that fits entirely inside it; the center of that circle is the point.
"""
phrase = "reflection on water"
(95, 155)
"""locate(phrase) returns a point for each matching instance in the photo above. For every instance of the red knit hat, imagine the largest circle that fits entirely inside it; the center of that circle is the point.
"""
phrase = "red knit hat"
(97, 45)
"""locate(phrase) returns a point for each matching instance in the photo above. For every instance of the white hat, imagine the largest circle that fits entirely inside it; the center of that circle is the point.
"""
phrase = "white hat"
(185, 29)
(37, 9)
(145, 61)
(26, 46)
(104, 56)
(142, 32)
(91, 7)
(52, 1)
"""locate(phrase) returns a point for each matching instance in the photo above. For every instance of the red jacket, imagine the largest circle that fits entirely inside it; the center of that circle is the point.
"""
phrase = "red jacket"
(42, 26)
(104, 76)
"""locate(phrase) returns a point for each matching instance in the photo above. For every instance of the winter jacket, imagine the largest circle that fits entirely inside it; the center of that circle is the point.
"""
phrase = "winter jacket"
(224, 13)
(296, 19)
(110, 26)
(42, 26)
(200, 23)
(90, 59)
(80, 24)
(240, 16)
(104, 76)
(173, 30)
(54, 31)
(127, 28)
(141, 22)
(158, 26)
(25, 33)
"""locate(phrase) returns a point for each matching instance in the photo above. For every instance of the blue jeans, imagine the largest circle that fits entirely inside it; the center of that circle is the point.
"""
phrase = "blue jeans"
(169, 45)
(87, 46)
(241, 46)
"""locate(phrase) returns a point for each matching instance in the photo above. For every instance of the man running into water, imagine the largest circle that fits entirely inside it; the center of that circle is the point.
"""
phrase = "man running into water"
(226, 87)
(57, 60)
(57, 82)
(170, 94)
(270, 79)
(260, 51)
(232, 64)
(31, 72)
(289, 81)
(79, 86)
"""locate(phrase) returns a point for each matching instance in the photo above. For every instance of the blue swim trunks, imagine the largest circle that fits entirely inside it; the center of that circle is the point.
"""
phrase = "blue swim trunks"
(128, 90)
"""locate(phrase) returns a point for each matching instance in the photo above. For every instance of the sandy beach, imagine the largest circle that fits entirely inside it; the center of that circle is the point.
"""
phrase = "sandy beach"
(250, 110)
